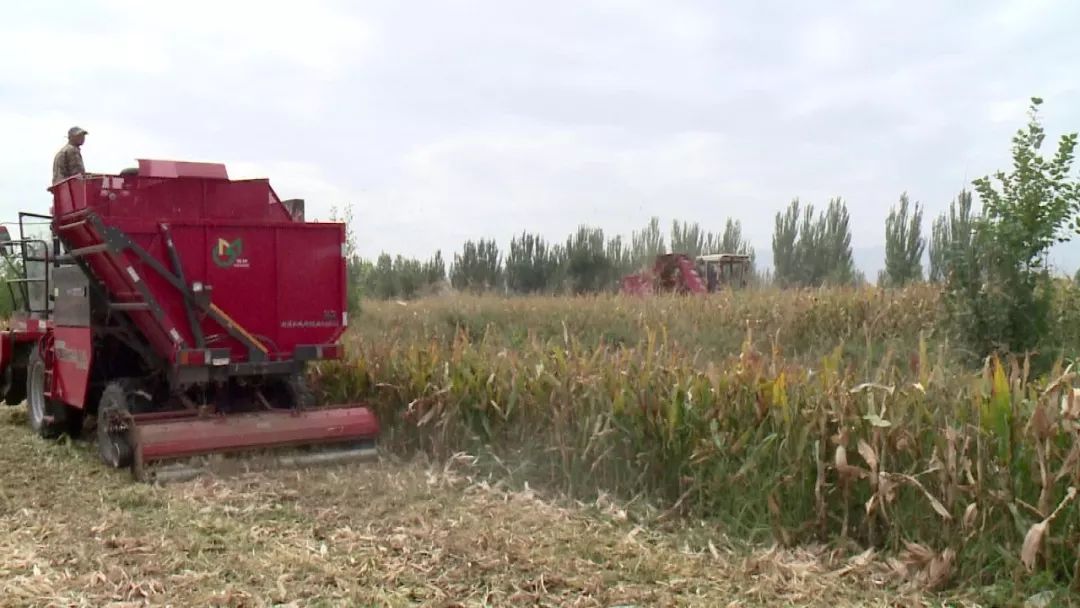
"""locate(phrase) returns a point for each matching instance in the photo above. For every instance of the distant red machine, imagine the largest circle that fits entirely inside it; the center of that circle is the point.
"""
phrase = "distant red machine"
(179, 308)
(678, 273)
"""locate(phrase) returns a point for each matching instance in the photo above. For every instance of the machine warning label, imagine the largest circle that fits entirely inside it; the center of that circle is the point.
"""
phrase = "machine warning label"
(330, 319)
(229, 254)
(296, 324)
(79, 358)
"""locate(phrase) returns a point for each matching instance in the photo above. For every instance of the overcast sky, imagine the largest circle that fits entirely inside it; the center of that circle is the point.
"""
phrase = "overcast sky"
(442, 121)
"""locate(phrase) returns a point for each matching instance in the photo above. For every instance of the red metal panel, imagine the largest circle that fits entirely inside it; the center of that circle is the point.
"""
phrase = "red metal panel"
(311, 285)
(251, 200)
(182, 438)
(278, 278)
(281, 281)
(183, 198)
(64, 200)
(241, 263)
(170, 198)
(74, 351)
(171, 168)
(142, 197)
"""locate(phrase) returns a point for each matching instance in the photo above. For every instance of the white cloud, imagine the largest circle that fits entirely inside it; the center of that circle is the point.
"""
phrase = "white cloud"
(1009, 111)
(316, 36)
(447, 121)
(493, 185)
(297, 180)
(827, 43)
(64, 56)
(122, 42)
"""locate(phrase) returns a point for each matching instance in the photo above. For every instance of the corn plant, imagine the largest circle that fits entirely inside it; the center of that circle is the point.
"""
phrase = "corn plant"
(731, 407)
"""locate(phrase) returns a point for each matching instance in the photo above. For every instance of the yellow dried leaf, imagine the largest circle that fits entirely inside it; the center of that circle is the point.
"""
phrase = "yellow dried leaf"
(934, 502)
(940, 508)
(841, 457)
(1062, 380)
(1070, 463)
(898, 567)
(904, 442)
(843, 468)
(1032, 543)
(1070, 405)
(970, 514)
(868, 385)
(877, 420)
(940, 569)
(868, 455)
(887, 488)
(916, 554)
(1040, 423)
(863, 559)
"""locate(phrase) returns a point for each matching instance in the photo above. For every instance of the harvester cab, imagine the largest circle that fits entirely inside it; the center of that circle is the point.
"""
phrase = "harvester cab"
(724, 269)
(176, 310)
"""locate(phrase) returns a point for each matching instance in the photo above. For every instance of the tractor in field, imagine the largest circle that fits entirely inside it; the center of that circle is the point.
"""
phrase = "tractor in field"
(175, 310)
(679, 273)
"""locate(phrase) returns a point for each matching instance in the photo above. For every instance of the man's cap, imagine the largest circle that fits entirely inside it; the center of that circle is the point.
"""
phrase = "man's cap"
(73, 131)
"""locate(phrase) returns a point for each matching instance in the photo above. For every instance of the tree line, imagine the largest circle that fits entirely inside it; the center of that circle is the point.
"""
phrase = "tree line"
(810, 248)
(587, 261)
(990, 262)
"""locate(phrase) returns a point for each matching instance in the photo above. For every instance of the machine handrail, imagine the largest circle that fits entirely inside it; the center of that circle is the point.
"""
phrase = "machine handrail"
(23, 279)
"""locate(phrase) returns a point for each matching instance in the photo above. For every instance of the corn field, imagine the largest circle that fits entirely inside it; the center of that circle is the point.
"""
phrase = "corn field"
(838, 416)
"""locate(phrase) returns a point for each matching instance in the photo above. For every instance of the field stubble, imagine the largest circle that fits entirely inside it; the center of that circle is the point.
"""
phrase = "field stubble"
(392, 534)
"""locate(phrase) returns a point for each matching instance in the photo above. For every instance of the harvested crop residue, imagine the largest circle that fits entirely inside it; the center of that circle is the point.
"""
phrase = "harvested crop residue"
(74, 533)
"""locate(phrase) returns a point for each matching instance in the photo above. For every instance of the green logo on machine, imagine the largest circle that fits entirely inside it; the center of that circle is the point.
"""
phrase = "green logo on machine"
(228, 255)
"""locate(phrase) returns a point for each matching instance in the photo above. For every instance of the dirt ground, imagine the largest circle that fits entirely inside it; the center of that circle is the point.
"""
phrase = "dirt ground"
(376, 534)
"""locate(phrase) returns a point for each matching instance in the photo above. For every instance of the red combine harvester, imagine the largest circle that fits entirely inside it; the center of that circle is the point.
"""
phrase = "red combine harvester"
(678, 273)
(671, 272)
(179, 308)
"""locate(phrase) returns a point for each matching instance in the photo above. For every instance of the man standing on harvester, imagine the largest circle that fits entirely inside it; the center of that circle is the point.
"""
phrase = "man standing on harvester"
(68, 161)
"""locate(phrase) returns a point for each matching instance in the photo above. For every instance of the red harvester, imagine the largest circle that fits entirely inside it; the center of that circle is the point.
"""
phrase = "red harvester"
(179, 308)
(678, 273)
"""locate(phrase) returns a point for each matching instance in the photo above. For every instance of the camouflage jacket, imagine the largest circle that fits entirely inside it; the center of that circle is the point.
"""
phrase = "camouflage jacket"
(68, 162)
